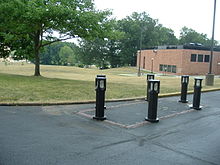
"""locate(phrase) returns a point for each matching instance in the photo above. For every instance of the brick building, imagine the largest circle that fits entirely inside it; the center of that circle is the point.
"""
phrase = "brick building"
(179, 60)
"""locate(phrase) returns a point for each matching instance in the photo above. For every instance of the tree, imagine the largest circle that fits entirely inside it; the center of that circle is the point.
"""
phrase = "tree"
(99, 52)
(46, 55)
(114, 53)
(50, 54)
(30, 24)
(138, 29)
(94, 52)
(141, 32)
(102, 52)
(188, 35)
(4, 48)
(66, 55)
(165, 36)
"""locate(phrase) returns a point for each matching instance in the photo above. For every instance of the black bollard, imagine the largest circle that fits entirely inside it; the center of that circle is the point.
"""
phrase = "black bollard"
(154, 89)
(100, 98)
(149, 77)
(184, 86)
(100, 75)
(197, 94)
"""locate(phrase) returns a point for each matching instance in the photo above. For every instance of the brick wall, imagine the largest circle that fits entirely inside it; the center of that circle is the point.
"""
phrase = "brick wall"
(181, 58)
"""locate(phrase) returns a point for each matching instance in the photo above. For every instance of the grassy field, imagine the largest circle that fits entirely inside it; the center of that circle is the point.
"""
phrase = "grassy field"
(69, 84)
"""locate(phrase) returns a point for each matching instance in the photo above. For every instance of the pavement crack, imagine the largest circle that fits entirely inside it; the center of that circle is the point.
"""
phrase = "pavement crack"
(113, 144)
(154, 136)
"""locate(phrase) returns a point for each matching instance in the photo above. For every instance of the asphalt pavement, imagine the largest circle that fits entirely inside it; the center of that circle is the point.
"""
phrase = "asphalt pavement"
(67, 134)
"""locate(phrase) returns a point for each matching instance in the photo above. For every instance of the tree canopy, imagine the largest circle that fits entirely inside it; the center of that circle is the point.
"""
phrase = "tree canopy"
(29, 25)
(188, 35)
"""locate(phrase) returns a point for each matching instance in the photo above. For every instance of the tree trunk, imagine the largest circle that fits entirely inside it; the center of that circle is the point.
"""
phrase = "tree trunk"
(36, 53)
(37, 63)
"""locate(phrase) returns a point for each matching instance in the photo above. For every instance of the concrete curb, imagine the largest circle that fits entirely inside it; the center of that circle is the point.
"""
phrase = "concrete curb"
(93, 101)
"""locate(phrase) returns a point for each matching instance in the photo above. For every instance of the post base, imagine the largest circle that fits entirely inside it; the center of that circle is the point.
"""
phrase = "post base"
(104, 107)
(99, 118)
(145, 99)
(183, 101)
(152, 120)
(196, 108)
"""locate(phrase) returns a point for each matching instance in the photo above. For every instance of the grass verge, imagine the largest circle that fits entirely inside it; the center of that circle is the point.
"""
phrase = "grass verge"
(70, 84)
(30, 89)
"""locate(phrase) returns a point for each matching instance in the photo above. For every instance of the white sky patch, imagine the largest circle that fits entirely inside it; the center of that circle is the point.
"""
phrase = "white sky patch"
(174, 14)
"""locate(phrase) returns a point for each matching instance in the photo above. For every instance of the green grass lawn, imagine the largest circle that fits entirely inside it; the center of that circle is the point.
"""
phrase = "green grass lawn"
(70, 84)
(21, 89)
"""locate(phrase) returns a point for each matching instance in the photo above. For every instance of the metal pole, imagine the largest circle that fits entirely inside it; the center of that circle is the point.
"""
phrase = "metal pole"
(212, 44)
(152, 65)
(139, 67)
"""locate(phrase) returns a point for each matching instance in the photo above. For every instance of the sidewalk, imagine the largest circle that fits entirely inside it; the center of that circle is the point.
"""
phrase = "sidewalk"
(67, 135)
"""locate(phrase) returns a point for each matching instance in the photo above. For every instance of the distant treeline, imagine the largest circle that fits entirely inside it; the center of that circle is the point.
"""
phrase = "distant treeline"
(135, 32)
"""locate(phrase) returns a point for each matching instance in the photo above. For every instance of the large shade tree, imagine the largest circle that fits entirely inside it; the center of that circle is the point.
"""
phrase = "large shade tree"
(141, 32)
(138, 29)
(29, 25)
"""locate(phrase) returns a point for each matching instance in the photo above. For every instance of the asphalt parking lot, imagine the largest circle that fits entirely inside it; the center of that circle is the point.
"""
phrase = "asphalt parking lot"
(67, 135)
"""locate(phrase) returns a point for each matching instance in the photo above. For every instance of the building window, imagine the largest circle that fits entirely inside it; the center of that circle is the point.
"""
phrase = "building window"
(168, 68)
(200, 58)
(206, 58)
(173, 68)
(161, 67)
(193, 57)
(165, 68)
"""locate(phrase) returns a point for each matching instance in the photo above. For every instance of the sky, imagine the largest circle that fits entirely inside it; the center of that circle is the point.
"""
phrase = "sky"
(174, 14)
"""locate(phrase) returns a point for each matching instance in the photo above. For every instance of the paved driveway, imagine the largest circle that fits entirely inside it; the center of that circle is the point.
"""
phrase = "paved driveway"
(66, 135)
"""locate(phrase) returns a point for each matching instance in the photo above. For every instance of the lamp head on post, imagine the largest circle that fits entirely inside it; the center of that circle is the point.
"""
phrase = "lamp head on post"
(99, 75)
(101, 83)
(150, 76)
(154, 85)
(185, 79)
(198, 82)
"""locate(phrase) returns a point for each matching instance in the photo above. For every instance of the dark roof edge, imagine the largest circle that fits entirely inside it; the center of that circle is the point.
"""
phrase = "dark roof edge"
(192, 46)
